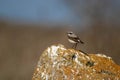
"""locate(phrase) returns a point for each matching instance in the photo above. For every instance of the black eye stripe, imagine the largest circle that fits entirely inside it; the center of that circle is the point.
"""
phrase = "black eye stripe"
(70, 33)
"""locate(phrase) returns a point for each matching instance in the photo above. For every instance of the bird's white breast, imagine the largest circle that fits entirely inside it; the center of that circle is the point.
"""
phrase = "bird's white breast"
(71, 41)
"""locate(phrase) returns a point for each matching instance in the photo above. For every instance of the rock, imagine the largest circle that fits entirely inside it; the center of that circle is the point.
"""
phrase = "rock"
(59, 63)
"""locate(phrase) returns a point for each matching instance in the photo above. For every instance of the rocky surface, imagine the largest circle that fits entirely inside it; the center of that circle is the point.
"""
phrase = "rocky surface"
(59, 63)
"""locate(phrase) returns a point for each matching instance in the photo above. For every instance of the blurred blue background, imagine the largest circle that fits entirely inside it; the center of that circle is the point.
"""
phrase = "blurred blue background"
(60, 11)
(38, 11)
(28, 27)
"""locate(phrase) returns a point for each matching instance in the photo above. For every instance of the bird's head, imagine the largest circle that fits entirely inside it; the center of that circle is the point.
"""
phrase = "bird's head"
(70, 33)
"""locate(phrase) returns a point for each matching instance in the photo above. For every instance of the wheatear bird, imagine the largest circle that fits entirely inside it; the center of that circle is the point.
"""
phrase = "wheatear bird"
(73, 38)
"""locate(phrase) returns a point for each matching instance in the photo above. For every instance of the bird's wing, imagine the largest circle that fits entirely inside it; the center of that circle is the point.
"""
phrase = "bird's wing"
(76, 39)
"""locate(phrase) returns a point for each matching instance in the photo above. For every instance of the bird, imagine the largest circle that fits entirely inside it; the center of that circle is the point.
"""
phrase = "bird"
(74, 39)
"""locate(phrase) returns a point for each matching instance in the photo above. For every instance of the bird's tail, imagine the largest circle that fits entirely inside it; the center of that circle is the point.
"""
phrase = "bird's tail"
(81, 42)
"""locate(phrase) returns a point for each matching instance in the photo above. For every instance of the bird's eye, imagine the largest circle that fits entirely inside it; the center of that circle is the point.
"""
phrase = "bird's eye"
(70, 33)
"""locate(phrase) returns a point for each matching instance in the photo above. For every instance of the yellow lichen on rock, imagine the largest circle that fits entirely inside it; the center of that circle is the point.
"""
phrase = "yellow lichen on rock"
(59, 63)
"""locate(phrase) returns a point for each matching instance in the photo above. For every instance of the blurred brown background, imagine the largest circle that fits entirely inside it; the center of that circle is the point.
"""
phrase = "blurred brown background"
(21, 43)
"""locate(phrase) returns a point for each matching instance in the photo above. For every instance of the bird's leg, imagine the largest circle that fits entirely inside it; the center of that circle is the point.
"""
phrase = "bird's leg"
(75, 45)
